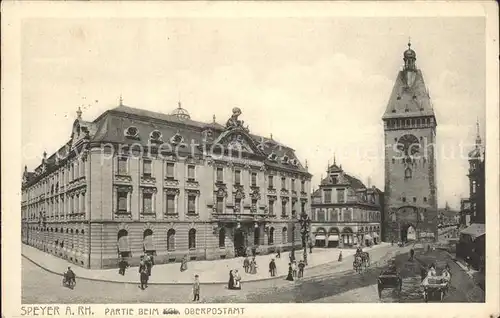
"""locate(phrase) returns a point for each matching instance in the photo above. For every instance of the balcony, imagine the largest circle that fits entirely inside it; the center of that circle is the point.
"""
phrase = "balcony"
(192, 183)
(170, 182)
(284, 191)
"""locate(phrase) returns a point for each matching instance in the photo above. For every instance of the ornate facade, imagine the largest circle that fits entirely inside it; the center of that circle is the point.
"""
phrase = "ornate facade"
(410, 162)
(345, 213)
(134, 181)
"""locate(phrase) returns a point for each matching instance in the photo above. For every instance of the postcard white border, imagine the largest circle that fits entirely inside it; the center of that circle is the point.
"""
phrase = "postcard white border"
(13, 12)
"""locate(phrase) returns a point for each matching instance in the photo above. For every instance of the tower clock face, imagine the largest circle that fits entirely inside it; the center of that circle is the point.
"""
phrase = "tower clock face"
(408, 145)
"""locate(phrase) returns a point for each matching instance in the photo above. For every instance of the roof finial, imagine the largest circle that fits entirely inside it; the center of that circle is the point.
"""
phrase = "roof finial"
(121, 100)
(213, 117)
(179, 104)
(44, 155)
(409, 42)
(271, 136)
(79, 113)
(307, 165)
(25, 168)
(334, 159)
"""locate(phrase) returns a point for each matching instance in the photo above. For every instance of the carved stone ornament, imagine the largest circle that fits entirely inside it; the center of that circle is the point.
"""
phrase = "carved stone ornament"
(172, 191)
(239, 194)
(285, 199)
(149, 190)
(221, 192)
(263, 168)
(193, 192)
(176, 139)
(255, 194)
(124, 188)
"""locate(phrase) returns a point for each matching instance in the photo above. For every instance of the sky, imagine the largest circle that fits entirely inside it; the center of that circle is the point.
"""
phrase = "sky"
(319, 85)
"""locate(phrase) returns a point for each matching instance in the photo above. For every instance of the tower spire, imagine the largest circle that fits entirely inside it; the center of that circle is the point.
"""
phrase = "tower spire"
(478, 136)
(121, 100)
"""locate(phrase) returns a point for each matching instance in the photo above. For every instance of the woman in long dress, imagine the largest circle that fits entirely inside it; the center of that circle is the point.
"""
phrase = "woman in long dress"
(184, 262)
(290, 275)
(237, 280)
(230, 284)
(253, 266)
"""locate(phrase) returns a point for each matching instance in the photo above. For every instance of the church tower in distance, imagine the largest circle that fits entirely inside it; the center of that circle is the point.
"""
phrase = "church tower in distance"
(410, 158)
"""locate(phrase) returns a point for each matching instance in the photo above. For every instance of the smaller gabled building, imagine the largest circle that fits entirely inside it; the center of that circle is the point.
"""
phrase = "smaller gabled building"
(345, 213)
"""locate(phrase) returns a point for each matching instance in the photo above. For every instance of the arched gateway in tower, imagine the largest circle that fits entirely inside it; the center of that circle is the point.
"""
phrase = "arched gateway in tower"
(410, 163)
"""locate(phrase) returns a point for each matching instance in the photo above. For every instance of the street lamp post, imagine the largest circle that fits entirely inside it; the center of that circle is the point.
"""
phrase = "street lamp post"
(305, 223)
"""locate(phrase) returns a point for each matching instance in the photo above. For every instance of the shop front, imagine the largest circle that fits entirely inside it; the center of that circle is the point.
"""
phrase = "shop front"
(320, 238)
(348, 238)
(333, 237)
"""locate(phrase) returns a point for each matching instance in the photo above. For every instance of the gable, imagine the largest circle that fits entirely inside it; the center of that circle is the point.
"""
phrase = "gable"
(237, 139)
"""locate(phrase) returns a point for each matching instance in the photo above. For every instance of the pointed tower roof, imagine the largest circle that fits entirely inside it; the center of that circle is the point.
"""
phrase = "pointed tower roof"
(410, 96)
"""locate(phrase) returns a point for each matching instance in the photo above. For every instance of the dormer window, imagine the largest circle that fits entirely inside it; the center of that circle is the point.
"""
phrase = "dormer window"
(155, 136)
(285, 159)
(132, 132)
(176, 139)
(272, 157)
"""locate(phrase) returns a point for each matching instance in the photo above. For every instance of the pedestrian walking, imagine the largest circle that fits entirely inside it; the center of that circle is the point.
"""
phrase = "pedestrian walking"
(237, 280)
(230, 284)
(246, 264)
(272, 268)
(184, 262)
(294, 269)
(301, 266)
(290, 275)
(123, 264)
(412, 254)
(143, 273)
(340, 256)
(278, 252)
(196, 288)
(253, 266)
(310, 247)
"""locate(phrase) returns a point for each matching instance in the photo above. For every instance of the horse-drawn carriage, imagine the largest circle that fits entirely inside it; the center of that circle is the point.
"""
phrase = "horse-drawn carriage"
(435, 287)
(361, 260)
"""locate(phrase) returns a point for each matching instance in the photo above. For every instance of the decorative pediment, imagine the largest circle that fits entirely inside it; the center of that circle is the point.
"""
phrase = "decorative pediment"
(237, 140)
(172, 191)
(239, 194)
(221, 192)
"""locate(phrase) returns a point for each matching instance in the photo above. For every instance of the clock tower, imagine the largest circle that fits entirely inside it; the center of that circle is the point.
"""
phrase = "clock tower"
(410, 158)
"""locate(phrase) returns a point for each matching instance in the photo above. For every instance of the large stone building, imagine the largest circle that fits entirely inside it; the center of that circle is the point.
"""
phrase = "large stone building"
(345, 213)
(410, 162)
(134, 181)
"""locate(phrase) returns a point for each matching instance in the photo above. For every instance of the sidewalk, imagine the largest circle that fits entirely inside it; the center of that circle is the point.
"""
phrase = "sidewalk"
(211, 272)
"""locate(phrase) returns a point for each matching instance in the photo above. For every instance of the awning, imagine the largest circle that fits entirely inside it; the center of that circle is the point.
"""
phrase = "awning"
(474, 230)
(123, 244)
(367, 237)
(375, 235)
(148, 243)
(320, 237)
(333, 237)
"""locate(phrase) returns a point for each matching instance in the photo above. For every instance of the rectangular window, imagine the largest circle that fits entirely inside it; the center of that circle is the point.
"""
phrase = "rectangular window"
(321, 216)
(283, 208)
(271, 182)
(237, 205)
(283, 183)
(254, 204)
(122, 166)
(293, 184)
(220, 205)
(220, 175)
(146, 168)
(303, 186)
(191, 173)
(170, 204)
(254, 179)
(147, 203)
(328, 195)
(237, 177)
(191, 204)
(335, 180)
(340, 196)
(122, 202)
(271, 207)
(170, 170)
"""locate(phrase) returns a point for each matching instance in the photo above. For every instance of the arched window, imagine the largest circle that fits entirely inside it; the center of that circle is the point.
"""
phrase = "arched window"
(407, 173)
(123, 246)
(192, 239)
(271, 236)
(148, 245)
(171, 240)
(284, 235)
(256, 236)
(222, 237)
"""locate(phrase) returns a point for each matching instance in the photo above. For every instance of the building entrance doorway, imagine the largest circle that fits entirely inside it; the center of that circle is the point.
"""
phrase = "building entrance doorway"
(408, 233)
(239, 243)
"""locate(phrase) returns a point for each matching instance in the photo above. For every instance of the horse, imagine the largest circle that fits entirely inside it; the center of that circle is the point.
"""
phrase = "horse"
(365, 258)
(356, 265)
